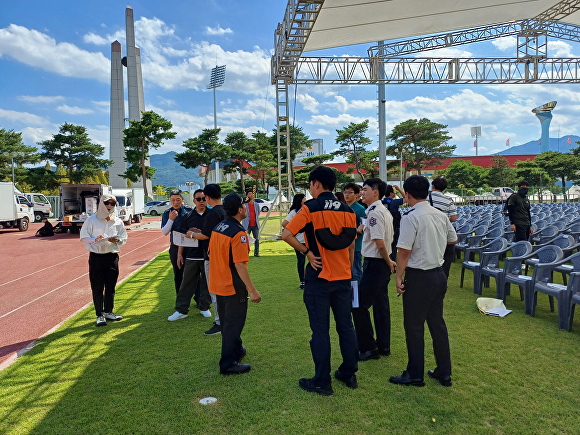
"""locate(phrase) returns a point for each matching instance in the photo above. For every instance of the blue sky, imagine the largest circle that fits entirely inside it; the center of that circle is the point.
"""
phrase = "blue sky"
(55, 68)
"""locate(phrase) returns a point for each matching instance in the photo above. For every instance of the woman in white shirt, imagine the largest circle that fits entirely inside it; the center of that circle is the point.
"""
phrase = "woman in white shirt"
(297, 202)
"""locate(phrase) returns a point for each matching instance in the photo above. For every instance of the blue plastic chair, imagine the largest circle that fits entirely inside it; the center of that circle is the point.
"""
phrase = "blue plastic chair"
(491, 252)
(490, 268)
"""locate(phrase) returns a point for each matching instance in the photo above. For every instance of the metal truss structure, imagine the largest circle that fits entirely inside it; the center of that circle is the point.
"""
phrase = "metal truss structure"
(408, 70)
(385, 63)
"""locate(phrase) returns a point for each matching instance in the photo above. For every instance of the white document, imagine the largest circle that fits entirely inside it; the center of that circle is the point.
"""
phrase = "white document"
(179, 239)
(499, 312)
(354, 286)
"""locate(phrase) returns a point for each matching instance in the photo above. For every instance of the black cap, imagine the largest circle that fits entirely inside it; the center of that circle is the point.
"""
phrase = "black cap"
(232, 203)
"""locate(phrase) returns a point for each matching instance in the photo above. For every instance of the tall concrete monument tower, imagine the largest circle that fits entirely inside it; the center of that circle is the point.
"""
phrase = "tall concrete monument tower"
(134, 96)
(544, 114)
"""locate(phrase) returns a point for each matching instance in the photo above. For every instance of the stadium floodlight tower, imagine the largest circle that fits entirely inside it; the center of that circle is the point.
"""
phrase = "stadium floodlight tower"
(544, 114)
(216, 79)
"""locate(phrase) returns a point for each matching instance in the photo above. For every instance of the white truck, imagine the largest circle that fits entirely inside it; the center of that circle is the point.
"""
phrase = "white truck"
(15, 210)
(130, 204)
(499, 195)
(42, 207)
(78, 202)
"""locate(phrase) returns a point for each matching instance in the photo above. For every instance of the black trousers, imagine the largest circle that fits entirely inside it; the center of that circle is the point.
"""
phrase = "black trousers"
(372, 292)
(423, 302)
(193, 270)
(300, 262)
(177, 272)
(232, 310)
(103, 274)
(448, 258)
(394, 244)
(320, 296)
(522, 233)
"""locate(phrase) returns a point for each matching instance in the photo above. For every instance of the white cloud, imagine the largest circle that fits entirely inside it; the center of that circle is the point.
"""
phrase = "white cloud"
(309, 103)
(559, 49)
(73, 110)
(166, 102)
(22, 118)
(322, 131)
(217, 31)
(41, 99)
(38, 50)
(343, 105)
(506, 43)
(446, 52)
(92, 38)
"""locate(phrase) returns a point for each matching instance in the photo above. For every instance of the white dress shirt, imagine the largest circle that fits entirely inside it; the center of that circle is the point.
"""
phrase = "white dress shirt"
(93, 227)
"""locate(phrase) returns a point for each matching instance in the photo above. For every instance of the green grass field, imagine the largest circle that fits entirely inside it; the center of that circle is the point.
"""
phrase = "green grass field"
(145, 375)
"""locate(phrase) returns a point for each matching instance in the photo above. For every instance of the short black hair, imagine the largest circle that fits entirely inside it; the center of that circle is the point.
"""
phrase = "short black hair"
(523, 183)
(439, 183)
(417, 186)
(324, 175)
(389, 190)
(175, 192)
(214, 191)
(355, 187)
(197, 191)
(377, 184)
(232, 204)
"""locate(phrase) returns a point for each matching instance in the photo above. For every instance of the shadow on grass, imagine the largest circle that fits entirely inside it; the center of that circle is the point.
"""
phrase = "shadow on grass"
(145, 375)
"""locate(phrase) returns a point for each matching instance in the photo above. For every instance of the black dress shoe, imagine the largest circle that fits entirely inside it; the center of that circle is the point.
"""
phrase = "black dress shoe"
(369, 354)
(443, 380)
(349, 381)
(242, 354)
(385, 351)
(308, 385)
(236, 368)
(404, 379)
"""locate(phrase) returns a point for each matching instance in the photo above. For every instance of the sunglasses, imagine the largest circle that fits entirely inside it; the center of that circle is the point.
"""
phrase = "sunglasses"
(200, 199)
(110, 203)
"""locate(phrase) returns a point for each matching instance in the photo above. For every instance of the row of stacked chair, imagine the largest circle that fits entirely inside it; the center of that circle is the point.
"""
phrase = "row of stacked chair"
(485, 231)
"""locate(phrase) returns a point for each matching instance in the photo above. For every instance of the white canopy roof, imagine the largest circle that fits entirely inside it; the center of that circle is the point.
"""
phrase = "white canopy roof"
(351, 22)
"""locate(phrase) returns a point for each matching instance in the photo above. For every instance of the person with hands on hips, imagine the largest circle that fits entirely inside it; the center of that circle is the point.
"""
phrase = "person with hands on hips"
(329, 227)
(102, 234)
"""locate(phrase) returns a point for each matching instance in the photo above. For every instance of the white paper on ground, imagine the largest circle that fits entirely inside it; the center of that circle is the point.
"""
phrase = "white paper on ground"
(499, 312)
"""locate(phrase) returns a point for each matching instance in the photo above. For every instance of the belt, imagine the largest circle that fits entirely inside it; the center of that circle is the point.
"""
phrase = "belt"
(412, 269)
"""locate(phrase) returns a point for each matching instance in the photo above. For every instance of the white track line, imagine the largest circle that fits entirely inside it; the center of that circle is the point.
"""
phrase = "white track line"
(46, 268)
(73, 280)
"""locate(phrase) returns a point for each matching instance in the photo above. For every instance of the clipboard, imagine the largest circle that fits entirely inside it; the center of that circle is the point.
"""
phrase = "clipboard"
(179, 239)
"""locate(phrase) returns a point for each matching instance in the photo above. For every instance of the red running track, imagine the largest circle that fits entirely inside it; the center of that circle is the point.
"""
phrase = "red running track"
(44, 280)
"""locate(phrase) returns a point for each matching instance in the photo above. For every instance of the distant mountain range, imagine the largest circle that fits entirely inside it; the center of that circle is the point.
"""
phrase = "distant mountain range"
(170, 173)
(533, 147)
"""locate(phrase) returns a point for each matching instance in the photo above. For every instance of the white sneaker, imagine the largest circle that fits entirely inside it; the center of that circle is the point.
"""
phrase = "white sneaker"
(206, 313)
(176, 316)
(101, 321)
(112, 316)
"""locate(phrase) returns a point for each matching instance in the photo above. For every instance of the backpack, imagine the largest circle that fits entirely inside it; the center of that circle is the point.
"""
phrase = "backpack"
(505, 210)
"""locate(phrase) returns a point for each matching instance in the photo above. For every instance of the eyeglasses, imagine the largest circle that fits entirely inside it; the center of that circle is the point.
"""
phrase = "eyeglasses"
(348, 192)
(200, 199)
(110, 203)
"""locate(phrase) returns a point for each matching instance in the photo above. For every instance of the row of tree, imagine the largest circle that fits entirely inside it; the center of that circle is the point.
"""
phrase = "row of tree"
(544, 171)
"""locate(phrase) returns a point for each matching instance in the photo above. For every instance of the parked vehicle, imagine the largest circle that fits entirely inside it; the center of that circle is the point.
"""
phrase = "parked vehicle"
(149, 205)
(130, 204)
(158, 209)
(264, 205)
(42, 207)
(15, 210)
(498, 195)
(78, 202)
